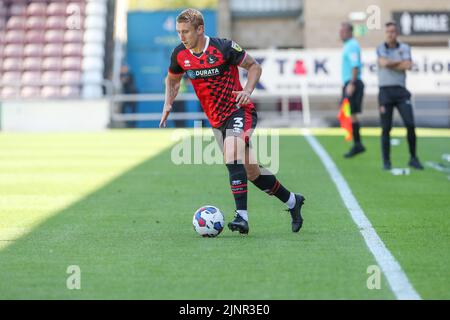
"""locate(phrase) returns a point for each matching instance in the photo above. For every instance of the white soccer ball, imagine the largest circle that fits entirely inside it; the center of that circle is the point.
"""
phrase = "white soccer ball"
(208, 221)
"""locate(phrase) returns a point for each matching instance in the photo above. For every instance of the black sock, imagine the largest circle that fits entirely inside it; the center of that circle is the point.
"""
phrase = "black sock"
(269, 184)
(356, 136)
(412, 141)
(386, 146)
(238, 183)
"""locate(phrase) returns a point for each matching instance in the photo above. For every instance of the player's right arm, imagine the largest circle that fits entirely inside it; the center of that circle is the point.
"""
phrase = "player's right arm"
(173, 81)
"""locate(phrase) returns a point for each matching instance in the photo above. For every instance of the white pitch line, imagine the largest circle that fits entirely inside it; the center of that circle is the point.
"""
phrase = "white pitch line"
(397, 279)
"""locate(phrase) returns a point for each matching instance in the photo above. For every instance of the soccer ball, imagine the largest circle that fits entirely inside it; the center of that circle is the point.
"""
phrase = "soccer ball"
(208, 221)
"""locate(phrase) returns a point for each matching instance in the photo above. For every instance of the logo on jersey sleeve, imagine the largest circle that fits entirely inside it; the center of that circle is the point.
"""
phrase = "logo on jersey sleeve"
(236, 47)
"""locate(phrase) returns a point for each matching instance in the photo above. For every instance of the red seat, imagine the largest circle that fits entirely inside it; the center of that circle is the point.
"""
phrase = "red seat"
(35, 36)
(34, 50)
(12, 64)
(13, 50)
(16, 23)
(56, 22)
(30, 92)
(74, 36)
(10, 92)
(18, 9)
(35, 23)
(31, 78)
(71, 77)
(72, 63)
(15, 36)
(53, 50)
(10, 77)
(56, 9)
(51, 78)
(37, 9)
(54, 36)
(52, 63)
(50, 92)
(32, 64)
(70, 92)
(73, 49)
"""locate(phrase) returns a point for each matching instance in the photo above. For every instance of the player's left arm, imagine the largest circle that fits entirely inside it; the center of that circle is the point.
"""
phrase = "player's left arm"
(254, 73)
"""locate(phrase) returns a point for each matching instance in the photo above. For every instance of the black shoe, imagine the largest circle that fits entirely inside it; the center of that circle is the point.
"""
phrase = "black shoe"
(238, 224)
(415, 163)
(296, 213)
(356, 149)
(387, 165)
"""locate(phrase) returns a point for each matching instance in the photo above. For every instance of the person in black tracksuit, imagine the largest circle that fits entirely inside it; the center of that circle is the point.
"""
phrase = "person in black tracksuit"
(394, 58)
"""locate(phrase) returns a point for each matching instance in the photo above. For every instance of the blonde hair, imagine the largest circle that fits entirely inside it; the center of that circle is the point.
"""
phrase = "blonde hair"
(191, 16)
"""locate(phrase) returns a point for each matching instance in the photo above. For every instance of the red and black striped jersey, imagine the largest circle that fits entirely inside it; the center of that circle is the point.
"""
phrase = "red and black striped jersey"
(214, 75)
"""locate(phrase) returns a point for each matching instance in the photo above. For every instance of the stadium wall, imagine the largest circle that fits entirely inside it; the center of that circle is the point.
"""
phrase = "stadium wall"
(55, 116)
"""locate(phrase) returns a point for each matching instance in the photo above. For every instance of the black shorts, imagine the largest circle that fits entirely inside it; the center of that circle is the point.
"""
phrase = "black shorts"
(393, 95)
(356, 99)
(240, 123)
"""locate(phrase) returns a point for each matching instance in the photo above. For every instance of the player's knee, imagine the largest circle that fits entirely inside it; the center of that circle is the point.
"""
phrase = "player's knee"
(253, 172)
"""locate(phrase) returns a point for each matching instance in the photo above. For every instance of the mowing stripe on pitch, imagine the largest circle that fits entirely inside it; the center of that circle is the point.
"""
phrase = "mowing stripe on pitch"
(397, 279)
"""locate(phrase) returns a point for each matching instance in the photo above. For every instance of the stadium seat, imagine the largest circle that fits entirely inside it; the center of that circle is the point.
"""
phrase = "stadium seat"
(30, 92)
(35, 36)
(54, 36)
(92, 92)
(92, 77)
(32, 64)
(57, 9)
(15, 36)
(12, 64)
(10, 92)
(70, 92)
(51, 78)
(10, 77)
(94, 36)
(37, 9)
(16, 23)
(53, 50)
(71, 63)
(97, 8)
(94, 50)
(50, 92)
(93, 64)
(31, 78)
(73, 50)
(56, 22)
(13, 50)
(71, 77)
(95, 22)
(52, 64)
(34, 50)
(74, 36)
(36, 23)
(59, 41)
(18, 9)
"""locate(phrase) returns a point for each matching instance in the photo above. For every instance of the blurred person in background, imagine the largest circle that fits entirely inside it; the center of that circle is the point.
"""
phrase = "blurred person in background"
(128, 87)
(353, 87)
(394, 58)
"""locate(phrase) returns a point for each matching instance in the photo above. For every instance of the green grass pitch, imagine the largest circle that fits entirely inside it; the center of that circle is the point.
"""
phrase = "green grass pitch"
(115, 205)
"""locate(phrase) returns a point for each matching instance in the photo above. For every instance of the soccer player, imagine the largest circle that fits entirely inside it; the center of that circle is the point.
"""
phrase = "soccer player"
(353, 88)
(212, 66)
(394, 58)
